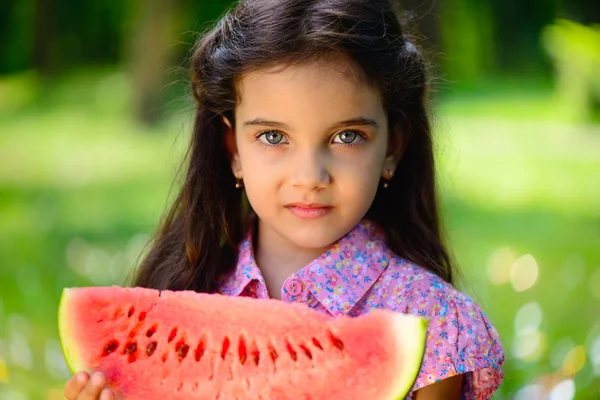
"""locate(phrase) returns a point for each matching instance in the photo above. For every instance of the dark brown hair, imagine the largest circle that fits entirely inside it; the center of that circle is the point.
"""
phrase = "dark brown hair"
(199, 236)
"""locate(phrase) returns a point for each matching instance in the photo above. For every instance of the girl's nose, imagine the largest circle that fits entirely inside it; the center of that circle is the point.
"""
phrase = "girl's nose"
(310, 171)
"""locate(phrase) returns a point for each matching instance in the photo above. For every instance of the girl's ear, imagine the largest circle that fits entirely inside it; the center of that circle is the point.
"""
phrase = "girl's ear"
(397, 143)
(231, 146)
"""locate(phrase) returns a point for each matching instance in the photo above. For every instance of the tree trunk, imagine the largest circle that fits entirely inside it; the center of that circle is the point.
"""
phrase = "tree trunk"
(151, 54)
(44, 39)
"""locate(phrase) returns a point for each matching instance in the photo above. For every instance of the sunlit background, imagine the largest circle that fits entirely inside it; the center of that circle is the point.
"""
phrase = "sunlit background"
(95, 113)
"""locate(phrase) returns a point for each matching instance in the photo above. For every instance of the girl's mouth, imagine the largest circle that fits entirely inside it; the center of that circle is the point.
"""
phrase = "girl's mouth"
(309, 210)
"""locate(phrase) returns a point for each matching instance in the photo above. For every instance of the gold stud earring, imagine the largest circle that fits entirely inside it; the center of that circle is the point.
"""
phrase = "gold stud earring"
(386, 180)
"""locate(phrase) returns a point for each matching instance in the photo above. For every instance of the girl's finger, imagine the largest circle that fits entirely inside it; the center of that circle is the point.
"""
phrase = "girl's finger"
(107, 395)
(92, 390)
(76, 384)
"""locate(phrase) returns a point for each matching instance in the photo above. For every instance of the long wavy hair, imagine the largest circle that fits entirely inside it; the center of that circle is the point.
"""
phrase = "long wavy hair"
(198, 238)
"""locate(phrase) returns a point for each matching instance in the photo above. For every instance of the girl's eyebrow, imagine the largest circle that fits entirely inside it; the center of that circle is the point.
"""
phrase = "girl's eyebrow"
(357, 121)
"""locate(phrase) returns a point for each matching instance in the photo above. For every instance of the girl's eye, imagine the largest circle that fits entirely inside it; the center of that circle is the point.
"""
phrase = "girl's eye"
(348, 137)
(271, 137)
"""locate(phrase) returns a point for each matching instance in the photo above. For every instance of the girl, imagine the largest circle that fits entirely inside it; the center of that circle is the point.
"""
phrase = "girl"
(311, 179)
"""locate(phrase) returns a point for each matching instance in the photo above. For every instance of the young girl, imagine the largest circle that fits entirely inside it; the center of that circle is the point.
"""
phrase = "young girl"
(311, 179)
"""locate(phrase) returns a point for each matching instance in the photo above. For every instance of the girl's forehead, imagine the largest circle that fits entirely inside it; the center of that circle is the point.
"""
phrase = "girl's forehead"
(337, 81)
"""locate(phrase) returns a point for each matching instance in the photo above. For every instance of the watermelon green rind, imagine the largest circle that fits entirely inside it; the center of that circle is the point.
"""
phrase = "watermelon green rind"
(69, 348)
(415, 344)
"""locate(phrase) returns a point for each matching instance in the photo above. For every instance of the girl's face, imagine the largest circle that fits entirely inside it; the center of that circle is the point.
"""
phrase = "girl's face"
(311, 145)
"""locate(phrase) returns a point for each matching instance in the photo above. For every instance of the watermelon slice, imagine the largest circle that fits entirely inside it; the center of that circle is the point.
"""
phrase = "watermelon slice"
(187, 345)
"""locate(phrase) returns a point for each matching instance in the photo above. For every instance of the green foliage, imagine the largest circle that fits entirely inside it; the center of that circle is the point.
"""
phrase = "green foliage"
(82, 187)
(575, 52)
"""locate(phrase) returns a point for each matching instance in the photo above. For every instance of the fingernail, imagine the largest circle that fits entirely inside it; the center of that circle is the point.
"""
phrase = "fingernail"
(106, 395)
(81, 377)
(97, 379)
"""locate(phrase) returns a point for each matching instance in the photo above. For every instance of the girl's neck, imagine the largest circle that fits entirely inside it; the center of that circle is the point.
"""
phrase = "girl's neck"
(278, 258)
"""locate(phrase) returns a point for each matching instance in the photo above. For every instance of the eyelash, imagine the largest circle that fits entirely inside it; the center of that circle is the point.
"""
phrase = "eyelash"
(361, 135)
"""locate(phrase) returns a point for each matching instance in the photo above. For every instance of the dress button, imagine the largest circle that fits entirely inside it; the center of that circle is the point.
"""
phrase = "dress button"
(294, 287)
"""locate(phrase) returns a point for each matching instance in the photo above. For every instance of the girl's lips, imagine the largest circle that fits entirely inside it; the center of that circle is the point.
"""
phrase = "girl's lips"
(309, 211)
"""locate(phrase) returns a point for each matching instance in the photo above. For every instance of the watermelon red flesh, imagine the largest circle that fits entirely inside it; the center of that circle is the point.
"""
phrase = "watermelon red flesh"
(187, 345)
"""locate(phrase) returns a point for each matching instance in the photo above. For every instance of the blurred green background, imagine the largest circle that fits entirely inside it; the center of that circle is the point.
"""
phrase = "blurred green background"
(95, 114)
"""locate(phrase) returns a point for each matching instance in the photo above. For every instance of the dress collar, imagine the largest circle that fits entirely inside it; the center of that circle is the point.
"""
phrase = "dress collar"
(338, 278)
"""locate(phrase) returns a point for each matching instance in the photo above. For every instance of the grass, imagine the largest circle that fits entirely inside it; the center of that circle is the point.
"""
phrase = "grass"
(81, 187)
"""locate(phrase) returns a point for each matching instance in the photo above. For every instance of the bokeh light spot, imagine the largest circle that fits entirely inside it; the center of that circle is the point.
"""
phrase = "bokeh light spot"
(20, 351)
(559, 352)
(524, 273)
(3, 371)
(574, 361)
(529, 392)
(529, 345)
(499, 265)
(564, 390)
(595, 355)
(529, 317)
(55, 361)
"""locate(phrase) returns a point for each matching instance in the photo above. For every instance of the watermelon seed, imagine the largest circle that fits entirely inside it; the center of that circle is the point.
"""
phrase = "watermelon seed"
(200, 350)
(336, 342)
(225, 347)
(256, 357)
(273, 353)
(317, 343)
(130, 312)
(182, 350)
(142, 316)
(164, 357)
(172, 335)
(306, 351)
(242, 350)
(292, 352)
(151, 331)
(131, 349)
(110, 347)
(150, 349)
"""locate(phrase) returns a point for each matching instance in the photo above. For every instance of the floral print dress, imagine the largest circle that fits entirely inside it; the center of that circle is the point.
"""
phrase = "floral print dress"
(359, 273)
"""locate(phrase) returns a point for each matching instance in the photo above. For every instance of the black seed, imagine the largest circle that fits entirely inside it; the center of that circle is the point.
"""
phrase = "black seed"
(110, 347)
(130, 348)
(150, 349)
(182, 350)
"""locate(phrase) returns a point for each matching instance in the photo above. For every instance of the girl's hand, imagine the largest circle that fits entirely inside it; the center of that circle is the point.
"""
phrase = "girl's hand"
(83, 387)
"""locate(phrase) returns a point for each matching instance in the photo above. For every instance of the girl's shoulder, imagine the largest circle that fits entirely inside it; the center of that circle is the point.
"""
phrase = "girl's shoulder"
(460, 337)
